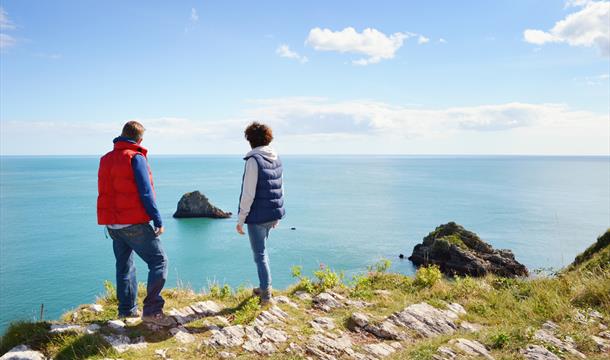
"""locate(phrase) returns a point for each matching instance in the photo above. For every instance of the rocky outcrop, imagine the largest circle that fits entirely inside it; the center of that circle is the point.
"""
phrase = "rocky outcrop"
(195, 204)
(457, 251)
(460, 348)
(23, 352)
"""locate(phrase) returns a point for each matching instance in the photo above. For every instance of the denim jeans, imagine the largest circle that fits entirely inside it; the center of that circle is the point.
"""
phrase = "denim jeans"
(141, 239)
(258, 234)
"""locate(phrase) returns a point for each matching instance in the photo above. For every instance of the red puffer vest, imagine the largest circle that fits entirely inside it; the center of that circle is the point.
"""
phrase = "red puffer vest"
(118, 200)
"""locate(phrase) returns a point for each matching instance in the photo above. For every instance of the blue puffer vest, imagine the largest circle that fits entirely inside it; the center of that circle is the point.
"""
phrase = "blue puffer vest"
(268, 202)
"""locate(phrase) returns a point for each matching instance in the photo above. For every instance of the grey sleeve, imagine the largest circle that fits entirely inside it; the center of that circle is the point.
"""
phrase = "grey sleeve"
(248, 190)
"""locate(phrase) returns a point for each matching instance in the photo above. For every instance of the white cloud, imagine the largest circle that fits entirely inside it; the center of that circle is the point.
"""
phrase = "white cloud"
(194, 15)
(5, 22)
(318, 116)
(587, 27)
(371, 42)
(284, 51)
(422, 39)
(318, 125)
(442, 41)
(6, 41)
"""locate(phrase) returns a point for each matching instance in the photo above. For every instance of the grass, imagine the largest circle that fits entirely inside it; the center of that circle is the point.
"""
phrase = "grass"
(508, 309)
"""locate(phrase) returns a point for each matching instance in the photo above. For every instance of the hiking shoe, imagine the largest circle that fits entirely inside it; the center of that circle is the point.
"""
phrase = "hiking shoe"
(256, 291)
(159, 319)
(136, 314)
(265, 296)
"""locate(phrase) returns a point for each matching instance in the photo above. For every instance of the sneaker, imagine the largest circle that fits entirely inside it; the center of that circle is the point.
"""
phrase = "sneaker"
(159, 319)
(256, 291)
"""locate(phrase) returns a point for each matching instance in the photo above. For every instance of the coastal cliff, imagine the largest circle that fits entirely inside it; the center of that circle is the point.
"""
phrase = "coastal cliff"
(377, 315)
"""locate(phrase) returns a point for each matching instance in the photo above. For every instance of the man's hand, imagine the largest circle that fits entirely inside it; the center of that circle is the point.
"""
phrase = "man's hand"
(159, 230)
(240, 229)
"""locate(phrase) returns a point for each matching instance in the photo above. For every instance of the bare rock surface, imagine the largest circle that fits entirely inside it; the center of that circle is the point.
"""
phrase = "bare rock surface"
(537, 352)
(195, 204)
(23, 352)
(462, 348)
(285, 300)
(122, 343)
(182, 335)
(328, 348)
(426, 320)
(321, 324)
(194, 311)
(549, 338)
(326, 301)
(459, 251)
(271, 316)
(229, 336)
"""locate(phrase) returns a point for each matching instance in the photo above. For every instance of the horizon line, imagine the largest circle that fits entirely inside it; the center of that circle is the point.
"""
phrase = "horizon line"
(323, 154)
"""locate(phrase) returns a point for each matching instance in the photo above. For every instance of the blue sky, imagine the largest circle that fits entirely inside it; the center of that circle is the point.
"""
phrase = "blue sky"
(428, 77)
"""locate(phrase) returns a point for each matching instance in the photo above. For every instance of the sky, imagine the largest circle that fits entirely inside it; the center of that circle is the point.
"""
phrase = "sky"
(330, 77)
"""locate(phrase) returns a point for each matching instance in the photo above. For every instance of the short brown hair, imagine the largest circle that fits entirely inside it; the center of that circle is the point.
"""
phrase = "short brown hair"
(133, 130)
(258, 134)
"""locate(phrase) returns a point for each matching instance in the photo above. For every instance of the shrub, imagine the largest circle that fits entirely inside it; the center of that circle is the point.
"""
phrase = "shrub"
(499, 340)
(381, 266)
(427, 276)
(327, 279)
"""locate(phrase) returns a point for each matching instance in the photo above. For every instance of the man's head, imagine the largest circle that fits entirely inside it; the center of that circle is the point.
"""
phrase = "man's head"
(133, 130)
(258, 134)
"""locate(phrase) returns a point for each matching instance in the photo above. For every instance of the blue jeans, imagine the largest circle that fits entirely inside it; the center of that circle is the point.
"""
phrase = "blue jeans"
(258, 234)
(141, 239)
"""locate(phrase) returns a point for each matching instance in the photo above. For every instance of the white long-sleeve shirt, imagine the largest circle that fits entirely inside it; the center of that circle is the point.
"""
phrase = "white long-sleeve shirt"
(248, 190)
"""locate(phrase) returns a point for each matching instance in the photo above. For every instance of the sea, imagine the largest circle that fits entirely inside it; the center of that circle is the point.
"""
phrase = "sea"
(343, 212)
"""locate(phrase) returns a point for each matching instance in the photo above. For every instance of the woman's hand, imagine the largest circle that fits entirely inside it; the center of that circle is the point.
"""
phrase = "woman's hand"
(240, 229)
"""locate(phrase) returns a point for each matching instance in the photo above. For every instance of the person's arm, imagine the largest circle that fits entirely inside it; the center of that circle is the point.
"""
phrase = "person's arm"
(248, 190)
(147, 195)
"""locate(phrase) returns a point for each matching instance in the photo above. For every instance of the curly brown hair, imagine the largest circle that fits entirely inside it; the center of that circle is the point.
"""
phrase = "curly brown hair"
(258, 134)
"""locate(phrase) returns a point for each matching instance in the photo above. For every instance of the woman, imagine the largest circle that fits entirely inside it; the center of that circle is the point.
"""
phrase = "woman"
(261, 203)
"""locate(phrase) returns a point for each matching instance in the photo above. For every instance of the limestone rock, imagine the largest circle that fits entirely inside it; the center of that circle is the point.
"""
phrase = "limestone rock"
(379, 349)
(227, 355)
(424, 319)
(459, 251)
(603, 345)
(471, 347)
(327, 301)
(122, 343)
(303, 295)
(325, 347)
(271, 316)
(182, 335)
(567, 346)
(60, 328)
(286, 300)
(227, 337)
(195, 204)
(321, 324)
(116, 325)
(96, 308)
(23, 352)
(537, 352)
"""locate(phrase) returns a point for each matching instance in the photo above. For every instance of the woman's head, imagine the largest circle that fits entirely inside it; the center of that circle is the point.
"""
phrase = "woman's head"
(258, 134)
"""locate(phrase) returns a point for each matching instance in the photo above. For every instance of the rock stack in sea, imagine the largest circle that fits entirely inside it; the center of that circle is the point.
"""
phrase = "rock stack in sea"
(457, 251)
(195, 204)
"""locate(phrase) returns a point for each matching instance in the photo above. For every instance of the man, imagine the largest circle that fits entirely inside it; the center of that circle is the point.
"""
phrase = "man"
(126, 205)
(261, 203)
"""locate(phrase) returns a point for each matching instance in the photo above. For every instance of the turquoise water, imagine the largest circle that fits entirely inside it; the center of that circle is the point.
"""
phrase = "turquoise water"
(348, 213)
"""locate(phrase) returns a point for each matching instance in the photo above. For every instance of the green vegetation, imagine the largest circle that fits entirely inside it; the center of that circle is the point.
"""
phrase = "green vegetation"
(595, 256)
(509, 310)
